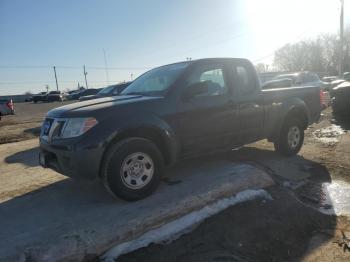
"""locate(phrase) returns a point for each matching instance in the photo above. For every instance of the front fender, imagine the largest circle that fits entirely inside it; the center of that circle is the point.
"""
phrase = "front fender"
(143, 122)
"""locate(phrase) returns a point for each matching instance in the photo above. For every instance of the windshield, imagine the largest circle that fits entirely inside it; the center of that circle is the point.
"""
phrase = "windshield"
(156, 81)
(106, 90)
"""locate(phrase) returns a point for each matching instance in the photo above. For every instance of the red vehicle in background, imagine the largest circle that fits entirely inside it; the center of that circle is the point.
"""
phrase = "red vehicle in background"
(6, 107)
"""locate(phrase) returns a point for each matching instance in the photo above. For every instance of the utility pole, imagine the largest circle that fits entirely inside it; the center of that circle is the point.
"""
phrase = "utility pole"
(54, 69)
(106, 68)
(341, 54)
(85, 73)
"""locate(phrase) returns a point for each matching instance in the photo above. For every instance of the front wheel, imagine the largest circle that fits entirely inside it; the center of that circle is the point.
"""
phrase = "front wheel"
(291, 137)
(132, 168)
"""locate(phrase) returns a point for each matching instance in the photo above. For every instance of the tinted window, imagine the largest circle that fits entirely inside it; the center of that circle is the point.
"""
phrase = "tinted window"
(245, 80)
(313, 78)
(292, 77)
(214, 78)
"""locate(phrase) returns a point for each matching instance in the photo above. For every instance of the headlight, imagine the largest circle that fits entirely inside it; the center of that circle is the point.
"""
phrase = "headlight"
(77, 126)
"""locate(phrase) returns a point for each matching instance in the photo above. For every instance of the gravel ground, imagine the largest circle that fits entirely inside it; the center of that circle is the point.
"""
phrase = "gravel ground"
(25, 124)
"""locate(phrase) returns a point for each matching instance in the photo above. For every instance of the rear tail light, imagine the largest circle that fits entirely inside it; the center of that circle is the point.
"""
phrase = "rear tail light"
(322, 98)
(10, 105)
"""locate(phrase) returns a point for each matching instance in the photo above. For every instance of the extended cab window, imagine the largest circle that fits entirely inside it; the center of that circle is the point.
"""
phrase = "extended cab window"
(244, 80)
(214, 78)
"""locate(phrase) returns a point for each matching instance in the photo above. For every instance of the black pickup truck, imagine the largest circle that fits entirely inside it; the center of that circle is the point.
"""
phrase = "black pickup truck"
(170, 113)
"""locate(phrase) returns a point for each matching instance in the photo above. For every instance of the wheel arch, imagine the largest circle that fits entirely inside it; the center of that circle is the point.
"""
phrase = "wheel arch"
(160, 137)
(294, 107)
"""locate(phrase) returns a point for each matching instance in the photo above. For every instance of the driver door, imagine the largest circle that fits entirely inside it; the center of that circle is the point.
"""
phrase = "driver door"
(206, 121)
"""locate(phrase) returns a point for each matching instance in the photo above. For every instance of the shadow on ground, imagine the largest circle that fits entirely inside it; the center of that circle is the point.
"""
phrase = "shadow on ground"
(35, 131)
(277, 230)
(27, 157)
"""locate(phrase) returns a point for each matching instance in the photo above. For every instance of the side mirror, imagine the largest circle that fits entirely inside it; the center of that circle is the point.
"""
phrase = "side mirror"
(195, 89)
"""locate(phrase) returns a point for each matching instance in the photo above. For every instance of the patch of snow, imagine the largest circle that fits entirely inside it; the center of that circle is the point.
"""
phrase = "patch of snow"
(174, 229)
(329, 135)
(337, 198)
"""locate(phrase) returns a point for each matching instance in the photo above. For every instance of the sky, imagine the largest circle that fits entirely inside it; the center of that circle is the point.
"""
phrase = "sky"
(136, 35)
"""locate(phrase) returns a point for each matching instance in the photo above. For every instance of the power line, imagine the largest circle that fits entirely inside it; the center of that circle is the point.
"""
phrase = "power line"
(75, 67)
(44, 82)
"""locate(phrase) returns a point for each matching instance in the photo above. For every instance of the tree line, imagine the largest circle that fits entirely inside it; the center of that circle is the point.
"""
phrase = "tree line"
(320, 54)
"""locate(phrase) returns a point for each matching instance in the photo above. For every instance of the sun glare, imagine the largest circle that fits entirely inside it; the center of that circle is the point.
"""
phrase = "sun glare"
(294, 18)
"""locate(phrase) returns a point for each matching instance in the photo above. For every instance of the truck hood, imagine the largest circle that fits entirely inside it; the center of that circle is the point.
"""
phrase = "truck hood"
(89, 97)
(87, 108)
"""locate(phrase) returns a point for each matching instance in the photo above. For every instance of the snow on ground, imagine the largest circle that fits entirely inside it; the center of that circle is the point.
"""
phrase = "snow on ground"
(173, 230)
(329, 135)
(337, 198)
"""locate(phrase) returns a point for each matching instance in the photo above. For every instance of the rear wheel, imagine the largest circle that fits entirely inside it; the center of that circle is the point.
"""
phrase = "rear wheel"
(291, 137)
(132, 169)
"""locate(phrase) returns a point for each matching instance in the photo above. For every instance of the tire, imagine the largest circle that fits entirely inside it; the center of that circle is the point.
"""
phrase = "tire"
(291, 137)
(132, 169)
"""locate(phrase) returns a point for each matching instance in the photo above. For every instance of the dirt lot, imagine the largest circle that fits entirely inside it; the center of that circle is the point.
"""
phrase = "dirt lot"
(27, 121)
(288, 228)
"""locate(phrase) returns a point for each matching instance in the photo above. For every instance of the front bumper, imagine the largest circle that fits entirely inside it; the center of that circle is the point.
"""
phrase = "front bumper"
(71, 158)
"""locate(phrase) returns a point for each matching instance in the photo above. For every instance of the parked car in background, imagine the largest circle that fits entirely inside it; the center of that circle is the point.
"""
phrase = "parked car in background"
(29, 99)
(303, 78)
(76, 95)
(341, 99)
(338, 82)
(329, 79)
(41, 97)
(170, 113)
(73, 95)
(54, 96)
(112, 90)
(6, 107)
(346, 76)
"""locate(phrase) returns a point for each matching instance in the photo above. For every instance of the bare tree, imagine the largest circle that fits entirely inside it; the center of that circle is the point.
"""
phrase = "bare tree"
(318, 55)
(261, 67)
